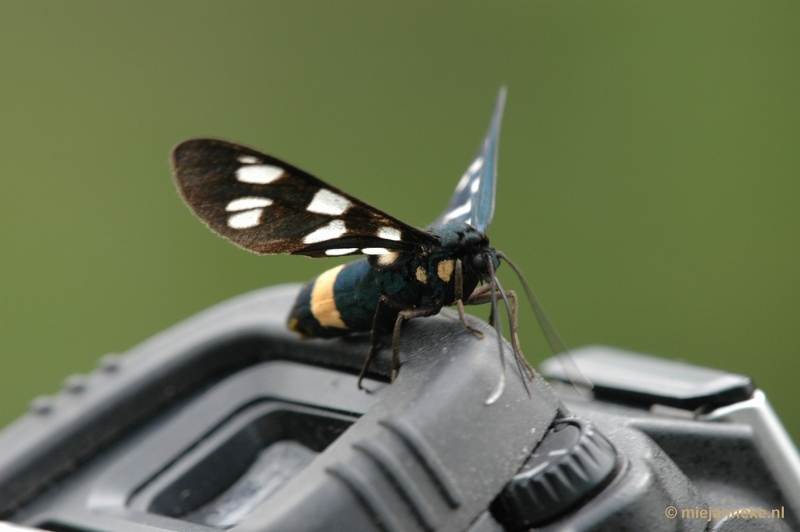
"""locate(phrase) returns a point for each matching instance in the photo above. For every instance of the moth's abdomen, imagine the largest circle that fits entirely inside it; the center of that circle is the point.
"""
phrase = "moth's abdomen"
(339, 301)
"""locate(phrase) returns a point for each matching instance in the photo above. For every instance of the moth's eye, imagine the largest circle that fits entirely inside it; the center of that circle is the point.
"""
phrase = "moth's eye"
(479, 263)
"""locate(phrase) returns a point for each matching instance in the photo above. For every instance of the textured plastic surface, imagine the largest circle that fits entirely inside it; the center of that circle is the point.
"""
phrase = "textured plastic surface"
(632, 378)
(676, 457)
(161, 437)
(229, 420)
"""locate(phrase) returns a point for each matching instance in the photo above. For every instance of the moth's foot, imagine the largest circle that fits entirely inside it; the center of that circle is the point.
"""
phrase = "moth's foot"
(476, 332)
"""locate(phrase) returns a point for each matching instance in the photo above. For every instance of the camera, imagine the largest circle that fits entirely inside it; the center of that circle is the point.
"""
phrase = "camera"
(228, 421)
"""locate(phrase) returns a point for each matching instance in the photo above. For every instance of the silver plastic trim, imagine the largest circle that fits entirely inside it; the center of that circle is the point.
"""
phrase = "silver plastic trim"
(773, 442)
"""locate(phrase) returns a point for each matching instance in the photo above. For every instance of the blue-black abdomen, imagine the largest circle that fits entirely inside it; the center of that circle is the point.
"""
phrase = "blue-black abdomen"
(337, 302)
(345, 299)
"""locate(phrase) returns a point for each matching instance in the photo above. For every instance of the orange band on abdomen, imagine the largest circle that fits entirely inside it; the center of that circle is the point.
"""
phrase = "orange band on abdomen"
(323, 304)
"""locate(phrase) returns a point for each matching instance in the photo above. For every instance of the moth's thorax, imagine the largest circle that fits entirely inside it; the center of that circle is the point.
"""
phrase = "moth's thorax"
(460, 241)
(429, 279)
(458, 238)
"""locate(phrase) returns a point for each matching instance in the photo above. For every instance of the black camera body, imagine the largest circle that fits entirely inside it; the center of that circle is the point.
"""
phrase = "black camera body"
(229, 421)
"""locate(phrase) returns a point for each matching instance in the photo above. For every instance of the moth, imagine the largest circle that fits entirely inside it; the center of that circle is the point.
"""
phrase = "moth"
(267, 206)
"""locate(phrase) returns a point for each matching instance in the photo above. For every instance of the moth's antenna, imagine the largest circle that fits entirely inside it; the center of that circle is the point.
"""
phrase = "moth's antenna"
(576, 376)
(498, 391)
(516, 354)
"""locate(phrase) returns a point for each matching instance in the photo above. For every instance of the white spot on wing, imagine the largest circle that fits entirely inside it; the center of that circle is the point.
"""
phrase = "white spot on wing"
(476, 165)
(327, 202)
(335, 229)
(260, 174)
(247, 203)
(389, 233)
(337, 252)
(458, 211)
(247, 159)
(246, 219)
(474, 186)
(463, 182)
(375, 251)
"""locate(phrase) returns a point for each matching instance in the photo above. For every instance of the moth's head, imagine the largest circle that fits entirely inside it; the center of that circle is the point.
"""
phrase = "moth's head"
(485, 263)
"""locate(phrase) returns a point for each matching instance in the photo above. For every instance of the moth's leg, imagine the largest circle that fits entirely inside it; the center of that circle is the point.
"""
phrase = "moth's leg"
(480, 291)
(459, 295)
(515, 337)
(480, 297)
(484, 289)
(380, 311)
(402, 316)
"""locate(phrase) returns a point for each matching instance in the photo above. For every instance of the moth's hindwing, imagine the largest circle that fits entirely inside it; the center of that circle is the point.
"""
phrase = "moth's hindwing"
(473, 200)
(267, 206)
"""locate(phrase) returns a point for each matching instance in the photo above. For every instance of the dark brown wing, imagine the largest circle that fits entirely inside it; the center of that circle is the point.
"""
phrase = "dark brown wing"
(267, 206)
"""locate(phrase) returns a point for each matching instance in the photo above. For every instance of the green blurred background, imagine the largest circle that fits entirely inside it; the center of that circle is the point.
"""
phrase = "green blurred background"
(649, 176)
